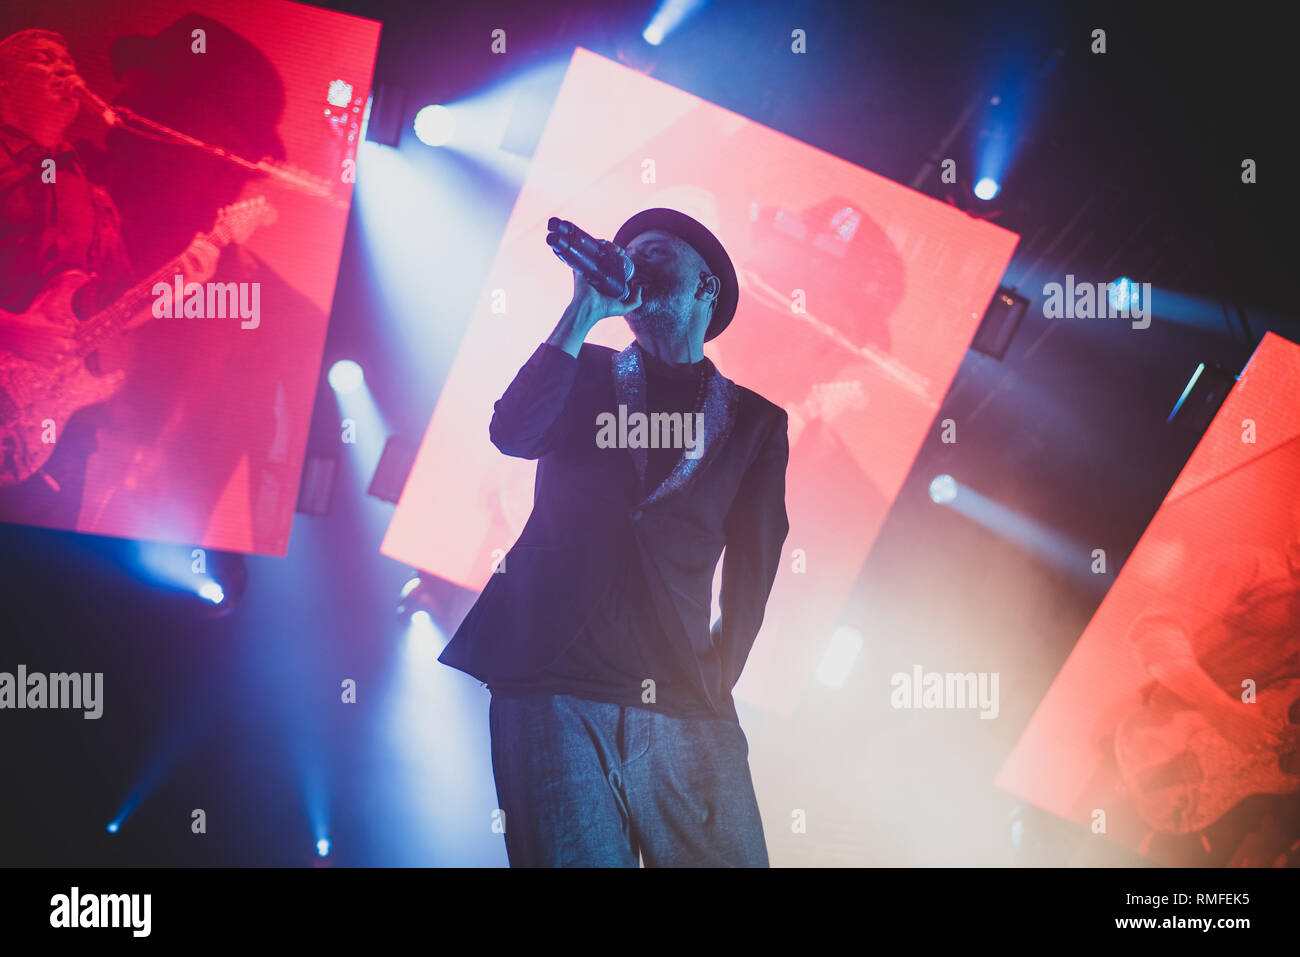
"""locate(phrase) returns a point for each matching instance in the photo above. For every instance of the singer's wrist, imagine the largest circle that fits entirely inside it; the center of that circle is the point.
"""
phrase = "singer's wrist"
(584, 312)
(571, 331)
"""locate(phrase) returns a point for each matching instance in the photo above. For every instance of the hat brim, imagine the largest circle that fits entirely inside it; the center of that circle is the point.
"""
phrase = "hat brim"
(703, 242)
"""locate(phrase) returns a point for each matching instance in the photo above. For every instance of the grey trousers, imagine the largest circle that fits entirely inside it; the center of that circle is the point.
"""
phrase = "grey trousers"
(589, 784)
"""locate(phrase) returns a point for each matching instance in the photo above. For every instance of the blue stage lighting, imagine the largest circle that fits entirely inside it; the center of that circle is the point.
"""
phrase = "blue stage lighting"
(346, 376)
(1191, 384)
(986, 188)
(417, 601)
(943, 489)
(1123, 294)
(212, 592)
(323, 847)
(435, 125)
(667, 18)
(112, 827)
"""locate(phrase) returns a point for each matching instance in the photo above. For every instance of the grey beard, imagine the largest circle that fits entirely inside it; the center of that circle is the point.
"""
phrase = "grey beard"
(664, 315)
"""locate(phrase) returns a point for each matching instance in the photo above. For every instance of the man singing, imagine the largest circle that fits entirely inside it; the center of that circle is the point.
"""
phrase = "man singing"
(615, 739)
(52, 219)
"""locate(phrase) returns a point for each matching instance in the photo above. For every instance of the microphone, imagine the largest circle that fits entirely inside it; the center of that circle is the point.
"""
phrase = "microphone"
(605, 267)
(106, 112)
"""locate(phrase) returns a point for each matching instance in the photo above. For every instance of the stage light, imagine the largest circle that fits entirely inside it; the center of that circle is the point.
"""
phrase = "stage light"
(980, 199)
(668, 18)
(316, 490)
(421, 601)
(1124, 294)
(1000, 322)
(382, 120)
(112, 827)
(435, 125)
(395, 464)
(227, 580)
(1202, 396)
(943, 489)
(209, 582)
(836, 664)
(1036, 537)
(346, 376)
(323, 847)
(1191, 384)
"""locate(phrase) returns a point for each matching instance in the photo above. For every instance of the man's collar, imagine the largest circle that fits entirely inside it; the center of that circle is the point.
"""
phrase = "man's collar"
(682, 370)
(721, 396)
(17, 142)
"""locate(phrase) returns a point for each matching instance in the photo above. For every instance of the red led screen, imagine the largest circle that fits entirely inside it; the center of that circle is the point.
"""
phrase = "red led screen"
(1174, 725)
(154, 386)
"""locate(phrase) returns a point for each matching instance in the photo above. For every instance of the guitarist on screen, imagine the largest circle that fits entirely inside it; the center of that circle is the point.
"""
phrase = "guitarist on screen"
(1194, 758)
(52, 219)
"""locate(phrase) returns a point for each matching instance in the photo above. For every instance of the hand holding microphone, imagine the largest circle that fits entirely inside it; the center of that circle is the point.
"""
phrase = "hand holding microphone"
(605, 267)
(602, 283)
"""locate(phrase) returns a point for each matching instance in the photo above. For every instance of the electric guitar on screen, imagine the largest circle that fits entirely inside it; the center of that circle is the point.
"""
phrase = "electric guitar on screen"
(1183, 771)
(33, 393)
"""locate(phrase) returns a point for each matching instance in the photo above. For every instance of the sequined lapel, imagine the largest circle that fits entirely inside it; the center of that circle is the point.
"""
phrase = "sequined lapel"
(719, 410)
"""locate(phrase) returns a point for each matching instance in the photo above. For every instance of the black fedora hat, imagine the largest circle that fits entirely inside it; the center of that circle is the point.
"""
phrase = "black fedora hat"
(232, 95)
(704, 243)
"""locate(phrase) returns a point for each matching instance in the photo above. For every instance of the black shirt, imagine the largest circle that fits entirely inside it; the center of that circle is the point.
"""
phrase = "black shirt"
(46, 228)
(623, 643)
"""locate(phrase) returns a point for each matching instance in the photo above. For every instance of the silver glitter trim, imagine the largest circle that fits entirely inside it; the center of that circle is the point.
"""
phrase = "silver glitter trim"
(719, 411)
(629, 390)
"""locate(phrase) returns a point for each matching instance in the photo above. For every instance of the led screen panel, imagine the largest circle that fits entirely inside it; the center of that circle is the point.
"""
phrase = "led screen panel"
(1174, 726)
(153, 386)
(858, 299)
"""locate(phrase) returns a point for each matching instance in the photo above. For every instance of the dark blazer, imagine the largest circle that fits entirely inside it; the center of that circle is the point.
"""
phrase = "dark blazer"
(589, 504)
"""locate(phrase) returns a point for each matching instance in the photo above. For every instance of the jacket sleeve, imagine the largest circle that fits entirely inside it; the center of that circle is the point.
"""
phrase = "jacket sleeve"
(530, 417)
(756, 527)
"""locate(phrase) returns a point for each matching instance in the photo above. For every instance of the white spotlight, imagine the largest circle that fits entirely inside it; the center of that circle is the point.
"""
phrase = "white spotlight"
(670, 15)
(943, 489)
(346, 376)
(435, 125)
